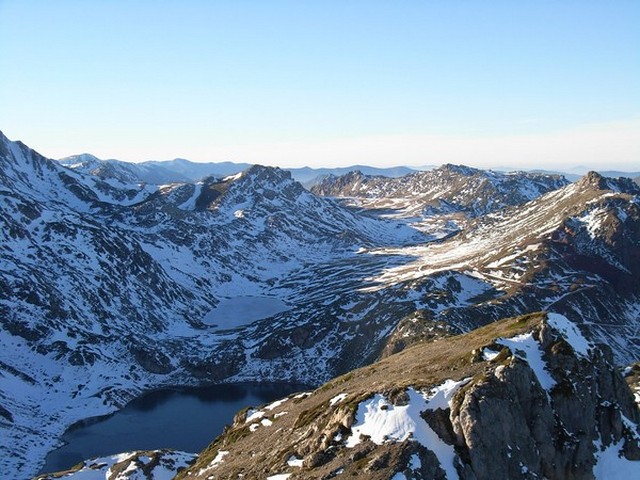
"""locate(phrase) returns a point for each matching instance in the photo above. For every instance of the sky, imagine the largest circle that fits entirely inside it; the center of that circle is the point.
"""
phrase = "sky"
(526, 84)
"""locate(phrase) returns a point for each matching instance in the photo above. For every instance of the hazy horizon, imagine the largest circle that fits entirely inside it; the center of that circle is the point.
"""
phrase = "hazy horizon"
(527, 85)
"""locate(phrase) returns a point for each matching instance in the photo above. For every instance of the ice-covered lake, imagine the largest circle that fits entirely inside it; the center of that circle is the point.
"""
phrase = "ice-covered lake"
(237, 311)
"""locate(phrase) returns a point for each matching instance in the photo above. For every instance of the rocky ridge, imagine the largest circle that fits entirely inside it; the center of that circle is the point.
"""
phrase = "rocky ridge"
(526, 398)
(445, 190)
(120, 171)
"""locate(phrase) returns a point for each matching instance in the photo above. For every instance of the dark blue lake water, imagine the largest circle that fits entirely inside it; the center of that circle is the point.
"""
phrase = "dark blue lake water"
(186, 419)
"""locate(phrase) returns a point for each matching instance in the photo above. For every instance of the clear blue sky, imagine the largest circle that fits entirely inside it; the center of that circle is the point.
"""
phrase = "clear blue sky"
(488, 83)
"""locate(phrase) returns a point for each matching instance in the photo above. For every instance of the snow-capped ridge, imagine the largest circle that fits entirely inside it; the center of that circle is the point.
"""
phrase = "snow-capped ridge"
(40, 179)
(444, 190)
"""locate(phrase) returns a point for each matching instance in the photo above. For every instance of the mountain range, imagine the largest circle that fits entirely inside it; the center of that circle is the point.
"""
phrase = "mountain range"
(182, 170)
(110, 284)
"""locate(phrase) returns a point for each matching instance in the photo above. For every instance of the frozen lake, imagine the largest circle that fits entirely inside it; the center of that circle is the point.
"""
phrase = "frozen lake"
(237, 311)
(185, 420)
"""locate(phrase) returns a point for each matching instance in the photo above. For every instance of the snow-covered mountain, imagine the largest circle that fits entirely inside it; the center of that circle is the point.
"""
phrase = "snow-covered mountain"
(126, 172)
(109, 289)
(105, 287)
(447, 189)
(575, 251)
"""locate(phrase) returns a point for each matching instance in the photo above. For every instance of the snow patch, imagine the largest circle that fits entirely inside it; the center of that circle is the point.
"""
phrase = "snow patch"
(294, 461)
(231, 178)
(384, 422)
(190, 204)
(611, 464)
(570, 332)
(440, 396)
(488, 354)
(253, 414)
(337, 399)
(218, 458)
(275, 404)
(528, 349)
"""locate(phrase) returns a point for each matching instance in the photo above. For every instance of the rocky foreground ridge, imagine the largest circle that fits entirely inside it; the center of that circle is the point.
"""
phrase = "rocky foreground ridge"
(522, 398)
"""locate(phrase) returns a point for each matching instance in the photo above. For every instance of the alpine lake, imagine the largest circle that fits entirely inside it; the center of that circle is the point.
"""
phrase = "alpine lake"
(179, 419)
(185, 419)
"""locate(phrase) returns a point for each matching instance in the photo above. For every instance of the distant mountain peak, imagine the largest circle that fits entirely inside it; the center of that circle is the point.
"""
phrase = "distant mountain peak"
(80, 157)
(264, 170)
(459, 169)
(595, 181)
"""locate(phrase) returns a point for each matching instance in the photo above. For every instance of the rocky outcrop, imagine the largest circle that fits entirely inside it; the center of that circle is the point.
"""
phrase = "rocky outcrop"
(632, 376)
(530, 398)
(508, 426)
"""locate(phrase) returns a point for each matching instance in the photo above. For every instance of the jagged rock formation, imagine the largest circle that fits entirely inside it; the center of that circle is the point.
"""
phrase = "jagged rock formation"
(445, 190)
(521, 398)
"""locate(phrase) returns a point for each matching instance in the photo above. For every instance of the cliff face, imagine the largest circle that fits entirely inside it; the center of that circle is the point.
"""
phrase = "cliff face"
(521, 398)
(510, 424)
